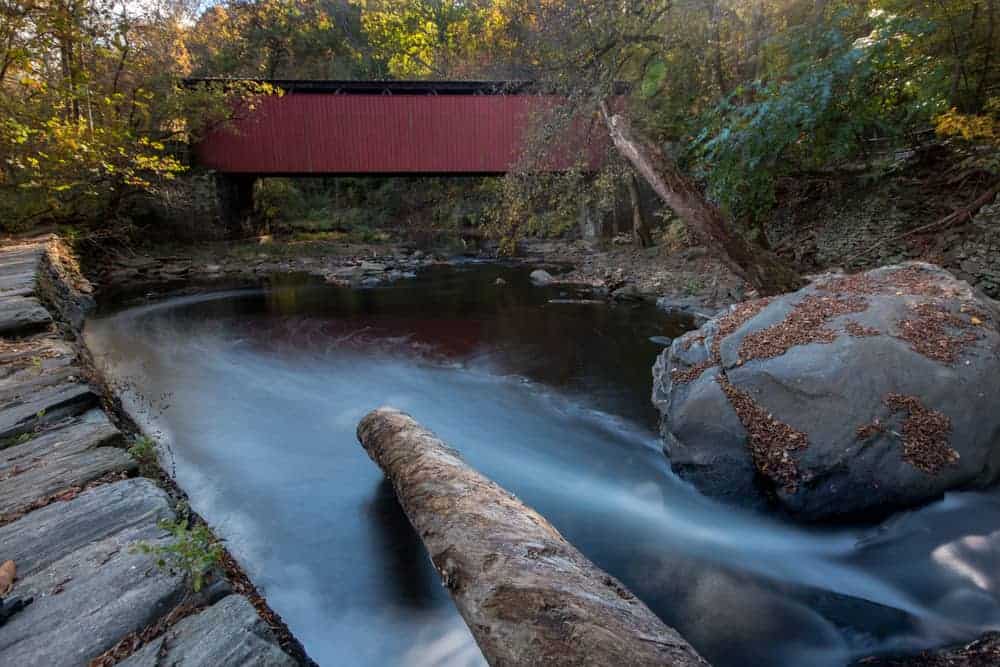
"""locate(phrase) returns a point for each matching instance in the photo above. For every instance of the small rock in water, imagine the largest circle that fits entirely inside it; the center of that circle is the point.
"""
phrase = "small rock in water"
(499, 282)
(541, 277)
(665, 341)
(629, 292)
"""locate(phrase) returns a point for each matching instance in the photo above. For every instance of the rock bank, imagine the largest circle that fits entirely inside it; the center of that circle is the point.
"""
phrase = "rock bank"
(72, 510)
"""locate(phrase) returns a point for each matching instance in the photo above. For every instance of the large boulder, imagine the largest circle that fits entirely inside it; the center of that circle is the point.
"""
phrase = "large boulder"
(851, 397)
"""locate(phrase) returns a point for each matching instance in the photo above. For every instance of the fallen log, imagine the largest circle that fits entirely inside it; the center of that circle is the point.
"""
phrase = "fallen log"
(528, 596)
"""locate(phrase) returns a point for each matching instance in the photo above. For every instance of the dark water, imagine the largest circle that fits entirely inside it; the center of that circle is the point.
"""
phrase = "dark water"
(258, 394)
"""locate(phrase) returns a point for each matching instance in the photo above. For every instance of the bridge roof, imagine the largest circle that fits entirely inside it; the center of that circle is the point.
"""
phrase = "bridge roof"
(346, 87)
(350, 87)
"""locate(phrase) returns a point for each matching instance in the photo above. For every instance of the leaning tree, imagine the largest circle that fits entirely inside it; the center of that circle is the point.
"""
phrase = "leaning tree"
(584, 50)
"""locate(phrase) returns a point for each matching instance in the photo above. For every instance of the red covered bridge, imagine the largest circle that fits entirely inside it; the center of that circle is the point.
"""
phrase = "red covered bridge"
(381, 128)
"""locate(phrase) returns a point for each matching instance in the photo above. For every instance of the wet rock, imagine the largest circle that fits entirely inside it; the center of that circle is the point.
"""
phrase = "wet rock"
(629, 292)
(688, 306)
(984, 652)
(848, 398)
(227, 634)
(541, 277)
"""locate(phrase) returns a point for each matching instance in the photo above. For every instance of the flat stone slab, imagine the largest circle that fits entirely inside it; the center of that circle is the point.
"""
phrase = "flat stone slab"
(91, 430)
(33, 377)
(89, 588)
(45, 406)
(56, 461)
(230, 633)
(51, 533)
(18, 354)
(20, 315)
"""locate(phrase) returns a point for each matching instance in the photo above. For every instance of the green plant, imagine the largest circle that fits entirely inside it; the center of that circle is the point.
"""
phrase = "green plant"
(193, 550)
(143, 450)
(833, 100)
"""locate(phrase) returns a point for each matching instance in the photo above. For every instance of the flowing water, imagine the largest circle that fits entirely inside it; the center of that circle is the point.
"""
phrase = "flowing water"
(257, 395)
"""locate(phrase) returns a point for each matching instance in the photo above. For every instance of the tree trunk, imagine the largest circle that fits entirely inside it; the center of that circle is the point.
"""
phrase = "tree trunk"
(640, 230)
(704, 220)
(528, 596)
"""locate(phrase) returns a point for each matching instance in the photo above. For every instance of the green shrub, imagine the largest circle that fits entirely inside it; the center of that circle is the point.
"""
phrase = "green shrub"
(193, 550)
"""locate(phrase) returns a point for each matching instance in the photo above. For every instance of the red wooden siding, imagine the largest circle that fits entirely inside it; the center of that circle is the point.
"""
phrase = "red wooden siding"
(300, 134)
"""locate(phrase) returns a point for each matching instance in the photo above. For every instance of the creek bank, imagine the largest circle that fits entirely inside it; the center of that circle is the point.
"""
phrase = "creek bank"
(686, 282)
(854, 396)
(71, 508)
(142, 276)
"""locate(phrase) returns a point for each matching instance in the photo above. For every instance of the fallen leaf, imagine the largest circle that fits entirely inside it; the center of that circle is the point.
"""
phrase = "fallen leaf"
(976, 320)
(8, 571)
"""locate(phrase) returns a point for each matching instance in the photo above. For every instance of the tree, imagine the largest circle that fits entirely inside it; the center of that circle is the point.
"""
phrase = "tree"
(587, 48)
(91, 107)
(443, 38)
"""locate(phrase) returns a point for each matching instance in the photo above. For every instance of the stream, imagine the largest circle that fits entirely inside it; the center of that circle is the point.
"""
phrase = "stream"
(255, 396)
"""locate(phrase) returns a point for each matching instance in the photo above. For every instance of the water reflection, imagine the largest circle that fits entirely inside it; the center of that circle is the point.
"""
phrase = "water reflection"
(407, 569)
(552, 401)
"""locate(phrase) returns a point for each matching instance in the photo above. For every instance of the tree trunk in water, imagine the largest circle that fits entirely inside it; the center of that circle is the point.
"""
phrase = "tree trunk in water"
(528, 596)
(640, 230)
(704, 221)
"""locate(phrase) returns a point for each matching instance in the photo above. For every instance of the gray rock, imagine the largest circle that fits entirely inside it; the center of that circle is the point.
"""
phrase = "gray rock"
(20, 315)
(228, 634)
(90, 588)
(46, 405)
(828, 391)
(48, 534)
(688, 306)
(33, 358)
(93, 429)
(541, 277)
(629, 292)
(58, 460)
(34, 378)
